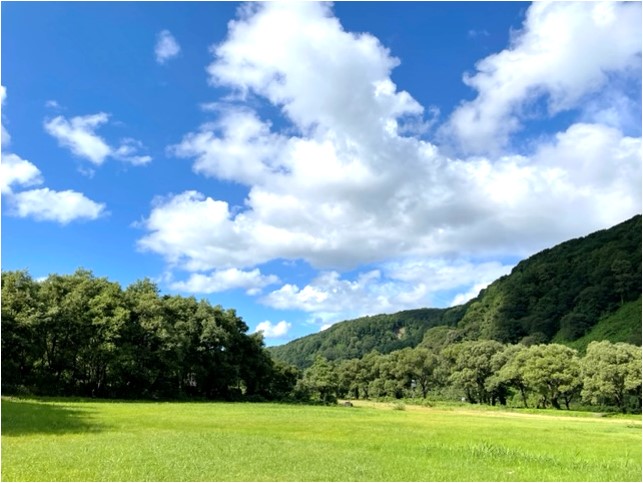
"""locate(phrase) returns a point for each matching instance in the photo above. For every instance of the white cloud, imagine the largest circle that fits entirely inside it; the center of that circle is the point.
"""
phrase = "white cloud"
(127, 152)
(344, 183)
(565, 51)
(278, 50)
(78, 135)
(349, 189)
(60, 206)
(17, 171)
(273, 331)
(221, 280)
(41, 204)
(397, 286)
(166, 47)
(464, 297)
(329, 295)
(185, 230)
(237, 147)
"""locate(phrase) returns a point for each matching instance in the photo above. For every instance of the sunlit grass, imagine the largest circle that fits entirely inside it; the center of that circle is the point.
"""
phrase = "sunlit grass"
(89, 441)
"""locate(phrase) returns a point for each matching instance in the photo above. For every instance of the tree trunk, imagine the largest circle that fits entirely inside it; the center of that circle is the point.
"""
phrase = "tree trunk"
(524, 396)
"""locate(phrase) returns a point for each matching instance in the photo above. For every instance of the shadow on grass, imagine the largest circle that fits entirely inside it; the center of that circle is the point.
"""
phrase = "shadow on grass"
(24, 417)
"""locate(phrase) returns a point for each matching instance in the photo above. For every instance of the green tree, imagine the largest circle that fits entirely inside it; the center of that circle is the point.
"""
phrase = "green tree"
(348, 373)
(322, 381)
(470, 367)
(505, 367)
(105, 316)
(149, 365)
(416, 368)
(508, 370)
(553, 372)
(611, 373)
(368, 371)
(21, 311)
(624, 277)
(283, 381)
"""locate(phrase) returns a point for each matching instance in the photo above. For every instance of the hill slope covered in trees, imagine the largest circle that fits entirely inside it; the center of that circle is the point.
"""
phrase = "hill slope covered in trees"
(574, 291)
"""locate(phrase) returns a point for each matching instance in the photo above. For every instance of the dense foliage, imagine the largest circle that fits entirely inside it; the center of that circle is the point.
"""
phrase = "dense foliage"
(489, 372)
(385, 333)
(82, 335)
(581, 290)
(562, 292)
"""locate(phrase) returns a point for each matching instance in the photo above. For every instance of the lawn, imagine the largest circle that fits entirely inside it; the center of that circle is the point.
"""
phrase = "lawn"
(54, 440)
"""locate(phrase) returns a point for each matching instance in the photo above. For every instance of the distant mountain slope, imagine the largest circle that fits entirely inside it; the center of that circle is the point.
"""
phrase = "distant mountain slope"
(563, 291)
(354, 338)
(558, 294)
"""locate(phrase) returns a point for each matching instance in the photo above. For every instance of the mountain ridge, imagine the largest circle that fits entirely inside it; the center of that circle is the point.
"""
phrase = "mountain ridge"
(560, 293)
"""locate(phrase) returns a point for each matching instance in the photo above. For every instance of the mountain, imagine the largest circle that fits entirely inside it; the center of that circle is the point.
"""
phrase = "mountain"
(579, 290)
(354, 338)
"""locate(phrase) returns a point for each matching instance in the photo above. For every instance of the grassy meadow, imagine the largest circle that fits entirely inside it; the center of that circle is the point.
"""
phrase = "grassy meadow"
(81, 440)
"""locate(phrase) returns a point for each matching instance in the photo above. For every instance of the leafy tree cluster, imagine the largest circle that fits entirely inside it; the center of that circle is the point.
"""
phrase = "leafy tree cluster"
(489, 372)
(86, 336)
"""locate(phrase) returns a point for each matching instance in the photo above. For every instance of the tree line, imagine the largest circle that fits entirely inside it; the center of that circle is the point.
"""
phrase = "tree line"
(488, 372)
(80, 335)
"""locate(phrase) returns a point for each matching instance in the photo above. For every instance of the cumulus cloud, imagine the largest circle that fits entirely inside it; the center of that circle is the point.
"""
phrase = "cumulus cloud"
(349, 189)
(166, 47)
(17, 171)
(564, 51)
(328, 295)
(78, 135)
(221, 280)
(60, 206)
(237, 147)
(396, 286)
(273, 331)
(127, 152)
(278, 50)
(41, 204)
(341, 182)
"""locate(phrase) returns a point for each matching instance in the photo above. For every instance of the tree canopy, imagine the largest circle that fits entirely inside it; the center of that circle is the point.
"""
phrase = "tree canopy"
(83, 335)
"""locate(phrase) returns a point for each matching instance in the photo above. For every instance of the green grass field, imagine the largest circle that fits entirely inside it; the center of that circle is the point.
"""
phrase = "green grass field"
(53, 440)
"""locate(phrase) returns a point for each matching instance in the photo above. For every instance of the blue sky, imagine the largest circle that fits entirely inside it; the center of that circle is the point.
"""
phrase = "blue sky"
(307, 163)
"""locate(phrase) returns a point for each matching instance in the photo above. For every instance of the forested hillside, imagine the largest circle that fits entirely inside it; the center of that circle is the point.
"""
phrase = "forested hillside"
(385, 333)
(563, 291)
(560, 294)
